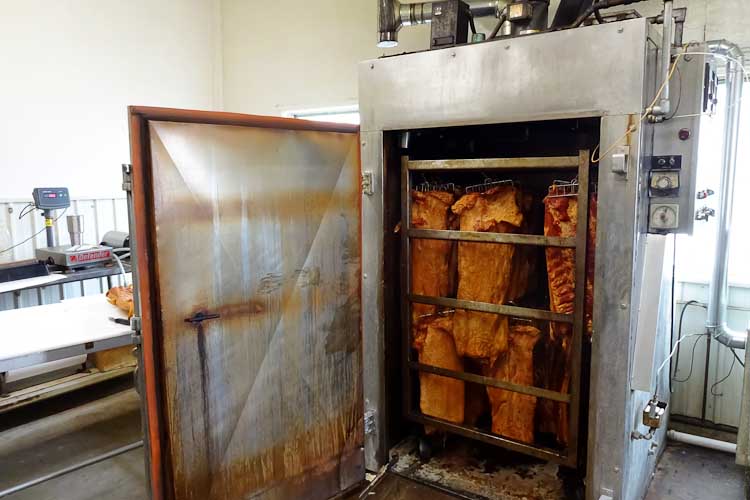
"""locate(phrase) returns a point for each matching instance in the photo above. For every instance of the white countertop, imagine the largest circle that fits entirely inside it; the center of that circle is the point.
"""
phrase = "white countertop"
(70, 322)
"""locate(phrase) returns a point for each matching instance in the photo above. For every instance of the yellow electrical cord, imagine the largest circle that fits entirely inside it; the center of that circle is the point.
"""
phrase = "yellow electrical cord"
(632, 128)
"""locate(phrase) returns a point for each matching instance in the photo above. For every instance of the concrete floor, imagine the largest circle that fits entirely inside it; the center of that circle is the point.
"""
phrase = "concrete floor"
(54, 434)
(67, 434)
(691, 473)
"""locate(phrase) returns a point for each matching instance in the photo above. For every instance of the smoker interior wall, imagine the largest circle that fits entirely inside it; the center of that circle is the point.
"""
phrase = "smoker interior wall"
(396, 430)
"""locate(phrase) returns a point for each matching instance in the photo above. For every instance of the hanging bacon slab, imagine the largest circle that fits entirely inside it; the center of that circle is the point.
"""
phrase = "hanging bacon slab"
(512, 412)
(440, 397)
(433, 270)
(484, 270)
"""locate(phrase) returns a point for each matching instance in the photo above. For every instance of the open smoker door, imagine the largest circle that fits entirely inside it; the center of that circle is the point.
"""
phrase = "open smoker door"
(248, 243)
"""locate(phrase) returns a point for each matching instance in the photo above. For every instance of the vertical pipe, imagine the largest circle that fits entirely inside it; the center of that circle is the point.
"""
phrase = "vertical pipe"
(718, 288)
(48, 228)
(705, 379)
(389, 22)
(663, 108)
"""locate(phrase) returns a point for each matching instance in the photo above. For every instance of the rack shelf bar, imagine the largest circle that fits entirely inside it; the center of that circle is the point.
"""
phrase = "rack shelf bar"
(476, 434)
(476, 236)
(532, 162)
(470, 305)
(492, 382)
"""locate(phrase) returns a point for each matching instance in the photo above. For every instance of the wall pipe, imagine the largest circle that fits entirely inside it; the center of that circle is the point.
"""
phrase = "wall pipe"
(703, 442)
(718, 292)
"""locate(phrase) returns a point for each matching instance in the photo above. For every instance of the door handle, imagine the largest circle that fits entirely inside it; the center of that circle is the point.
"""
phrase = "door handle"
(200, 317)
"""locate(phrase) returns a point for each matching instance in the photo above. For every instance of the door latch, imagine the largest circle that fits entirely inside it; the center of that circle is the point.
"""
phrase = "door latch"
(200, 317)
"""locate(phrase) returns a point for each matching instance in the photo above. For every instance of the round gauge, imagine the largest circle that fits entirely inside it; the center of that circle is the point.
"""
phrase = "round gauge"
(664, 182)
(664, 216)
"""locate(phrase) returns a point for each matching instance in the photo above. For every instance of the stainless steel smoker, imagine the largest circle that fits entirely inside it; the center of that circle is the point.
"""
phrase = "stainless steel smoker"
(540, 88)
(282, 368)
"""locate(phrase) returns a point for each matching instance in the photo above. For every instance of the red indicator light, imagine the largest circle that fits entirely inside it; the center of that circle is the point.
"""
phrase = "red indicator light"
(52, 195)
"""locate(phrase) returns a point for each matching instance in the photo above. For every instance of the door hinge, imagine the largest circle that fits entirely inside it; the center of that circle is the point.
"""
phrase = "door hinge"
(127, 178)
(135, 326)
(367, 187)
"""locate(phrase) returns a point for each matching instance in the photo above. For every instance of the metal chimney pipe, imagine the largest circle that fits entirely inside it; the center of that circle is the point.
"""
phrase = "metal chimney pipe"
(416, 13)
(392, 16)
(485, 8)
(389, 22)
(716, 319)
(664, 106)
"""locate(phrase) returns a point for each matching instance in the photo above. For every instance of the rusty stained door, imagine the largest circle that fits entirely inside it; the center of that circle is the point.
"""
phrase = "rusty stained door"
(255, 293)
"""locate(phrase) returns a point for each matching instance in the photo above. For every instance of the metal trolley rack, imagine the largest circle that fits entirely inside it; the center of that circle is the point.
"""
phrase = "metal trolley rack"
(569, 455)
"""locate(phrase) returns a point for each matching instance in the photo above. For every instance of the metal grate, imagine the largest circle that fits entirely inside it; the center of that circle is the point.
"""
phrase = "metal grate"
(580, 188)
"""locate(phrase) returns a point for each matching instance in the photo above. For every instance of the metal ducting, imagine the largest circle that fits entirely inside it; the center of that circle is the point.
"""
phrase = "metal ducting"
(664, 107)
(392, 16)
(568, 11)
(388, 23)
(716, 320)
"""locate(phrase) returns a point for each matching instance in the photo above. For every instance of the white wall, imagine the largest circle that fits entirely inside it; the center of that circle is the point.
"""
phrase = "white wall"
(292, 54)
(297, 54)
(70, 69)
(72, 66)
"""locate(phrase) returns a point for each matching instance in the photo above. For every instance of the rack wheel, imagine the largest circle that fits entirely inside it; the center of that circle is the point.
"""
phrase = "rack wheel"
(425, 448)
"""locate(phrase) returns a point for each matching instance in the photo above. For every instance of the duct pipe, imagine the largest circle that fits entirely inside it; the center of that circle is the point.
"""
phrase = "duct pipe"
(486, 8)
(536, 23)
(392, 16)
(415, 13)
(716, 319)
(703, 442)
(388, 23)
(663, 108)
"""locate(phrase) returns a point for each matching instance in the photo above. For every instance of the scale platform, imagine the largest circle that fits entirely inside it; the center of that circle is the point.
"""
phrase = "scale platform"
(75, 256)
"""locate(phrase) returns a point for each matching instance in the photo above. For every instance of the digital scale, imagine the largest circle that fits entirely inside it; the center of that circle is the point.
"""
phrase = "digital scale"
(77, 254)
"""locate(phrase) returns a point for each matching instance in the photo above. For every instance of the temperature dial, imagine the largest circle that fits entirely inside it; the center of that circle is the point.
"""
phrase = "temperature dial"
(665, 182)
(664, 217)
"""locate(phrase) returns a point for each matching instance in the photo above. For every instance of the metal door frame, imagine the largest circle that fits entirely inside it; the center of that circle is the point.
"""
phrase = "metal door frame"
(158, 468)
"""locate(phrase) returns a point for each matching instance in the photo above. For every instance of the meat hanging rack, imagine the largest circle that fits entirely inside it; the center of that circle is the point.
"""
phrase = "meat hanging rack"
(569, 454)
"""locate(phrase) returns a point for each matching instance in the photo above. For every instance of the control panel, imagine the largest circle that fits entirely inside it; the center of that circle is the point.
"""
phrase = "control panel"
(663, 184)
(670, 172)
(51, 198)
